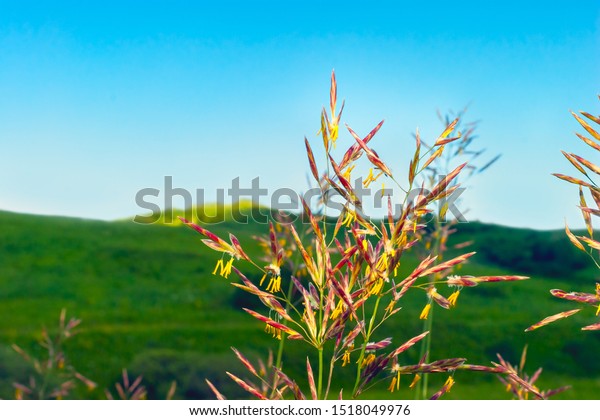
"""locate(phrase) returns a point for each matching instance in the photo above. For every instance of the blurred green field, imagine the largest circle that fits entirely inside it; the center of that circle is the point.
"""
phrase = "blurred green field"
(149, 303)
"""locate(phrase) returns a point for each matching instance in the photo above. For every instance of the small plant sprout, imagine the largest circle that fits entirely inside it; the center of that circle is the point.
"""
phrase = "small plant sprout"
(54, 377)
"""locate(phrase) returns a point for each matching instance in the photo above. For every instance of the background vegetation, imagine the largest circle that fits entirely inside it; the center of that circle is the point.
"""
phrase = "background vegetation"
(149, 303)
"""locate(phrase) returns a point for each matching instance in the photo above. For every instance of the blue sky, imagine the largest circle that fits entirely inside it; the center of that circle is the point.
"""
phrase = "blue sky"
(100, 101)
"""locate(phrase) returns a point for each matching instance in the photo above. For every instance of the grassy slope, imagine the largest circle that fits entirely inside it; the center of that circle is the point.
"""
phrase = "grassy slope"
(149, 302)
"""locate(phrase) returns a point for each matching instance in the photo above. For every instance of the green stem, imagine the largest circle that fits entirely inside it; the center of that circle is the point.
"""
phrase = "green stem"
(331, 366)
(422, 389)
(288, 304)
(364, 346)
(320, 377)
(279, 357)
(425, 349)
(320, 348)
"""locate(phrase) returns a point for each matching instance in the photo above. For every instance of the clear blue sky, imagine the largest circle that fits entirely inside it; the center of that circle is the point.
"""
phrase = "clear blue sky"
(99, 101)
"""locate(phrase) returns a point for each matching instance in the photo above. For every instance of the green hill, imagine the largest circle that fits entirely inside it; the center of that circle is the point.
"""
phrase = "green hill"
(149, 303)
